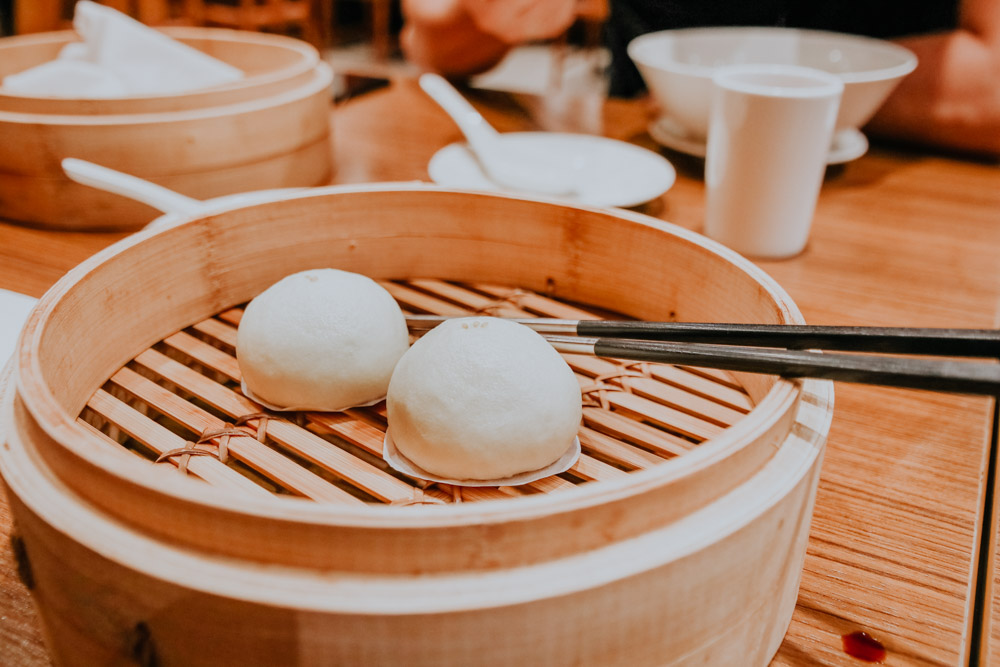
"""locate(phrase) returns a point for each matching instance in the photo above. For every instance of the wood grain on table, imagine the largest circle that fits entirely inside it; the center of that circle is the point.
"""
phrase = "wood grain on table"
(900, 238)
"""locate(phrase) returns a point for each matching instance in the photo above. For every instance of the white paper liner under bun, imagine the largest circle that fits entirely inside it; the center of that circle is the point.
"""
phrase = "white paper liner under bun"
(276, 408)
(402, 464)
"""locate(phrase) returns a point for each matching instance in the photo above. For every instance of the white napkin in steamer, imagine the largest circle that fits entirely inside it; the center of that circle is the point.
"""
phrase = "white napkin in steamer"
(65, 78)
(119, 49)
(14, 310)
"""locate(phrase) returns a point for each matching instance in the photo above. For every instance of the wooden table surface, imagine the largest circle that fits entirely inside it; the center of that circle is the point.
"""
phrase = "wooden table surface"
(900, 238)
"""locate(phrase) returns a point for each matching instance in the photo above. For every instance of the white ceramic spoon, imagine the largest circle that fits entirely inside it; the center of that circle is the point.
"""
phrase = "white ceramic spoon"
(514, 166)
(177, 207)
(109, 180)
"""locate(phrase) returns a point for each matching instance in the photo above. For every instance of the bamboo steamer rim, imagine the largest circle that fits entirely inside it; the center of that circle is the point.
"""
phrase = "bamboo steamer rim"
(309, 57)
(62, 428)
(321, 78)
(36, 486)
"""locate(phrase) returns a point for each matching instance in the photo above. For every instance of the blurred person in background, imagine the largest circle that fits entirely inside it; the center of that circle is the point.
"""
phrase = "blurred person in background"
(952, 99)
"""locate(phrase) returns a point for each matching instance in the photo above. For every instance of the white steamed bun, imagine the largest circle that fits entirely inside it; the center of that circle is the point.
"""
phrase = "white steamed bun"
(482, 398)
(321, 339)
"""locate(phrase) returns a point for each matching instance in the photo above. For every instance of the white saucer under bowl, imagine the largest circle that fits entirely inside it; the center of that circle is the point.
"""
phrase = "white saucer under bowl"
(849, 144)
(611, 172)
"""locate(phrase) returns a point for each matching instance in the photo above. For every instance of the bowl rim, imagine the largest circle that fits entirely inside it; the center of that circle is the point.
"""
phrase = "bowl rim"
(908, 58)
(62, 428)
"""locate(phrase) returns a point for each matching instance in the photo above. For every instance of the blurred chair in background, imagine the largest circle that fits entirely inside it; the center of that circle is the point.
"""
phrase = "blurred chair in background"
(311, 20)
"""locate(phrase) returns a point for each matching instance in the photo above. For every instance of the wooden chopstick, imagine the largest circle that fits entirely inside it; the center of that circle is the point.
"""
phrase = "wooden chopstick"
(778, 350)
(897, 340)
(963, 377)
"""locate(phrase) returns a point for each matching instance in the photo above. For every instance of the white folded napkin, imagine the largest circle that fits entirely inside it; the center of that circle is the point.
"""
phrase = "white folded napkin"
(14, 309)
(120, 57)
(65, 78)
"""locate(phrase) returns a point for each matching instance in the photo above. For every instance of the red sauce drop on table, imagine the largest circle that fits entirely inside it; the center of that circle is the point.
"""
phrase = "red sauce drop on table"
(863, 646)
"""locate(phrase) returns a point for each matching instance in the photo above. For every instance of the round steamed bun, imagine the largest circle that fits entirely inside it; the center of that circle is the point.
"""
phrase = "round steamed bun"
(321, 340)
(481, 399)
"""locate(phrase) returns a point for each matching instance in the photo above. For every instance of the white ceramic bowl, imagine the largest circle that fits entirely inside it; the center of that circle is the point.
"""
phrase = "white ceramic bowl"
(677, 66)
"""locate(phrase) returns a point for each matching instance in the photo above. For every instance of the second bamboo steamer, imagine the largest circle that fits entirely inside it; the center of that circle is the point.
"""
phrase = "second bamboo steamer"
(272, 131)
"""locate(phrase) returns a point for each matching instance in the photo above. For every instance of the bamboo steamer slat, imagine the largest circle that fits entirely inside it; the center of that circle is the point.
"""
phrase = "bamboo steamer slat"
(272, 64)
(414, 231)
(277, 141)
(175, 142)
(306, 165)
(586, 569)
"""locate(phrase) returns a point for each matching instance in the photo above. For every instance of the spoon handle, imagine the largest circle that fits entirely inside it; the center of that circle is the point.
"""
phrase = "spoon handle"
(109, 180)
(481, 135)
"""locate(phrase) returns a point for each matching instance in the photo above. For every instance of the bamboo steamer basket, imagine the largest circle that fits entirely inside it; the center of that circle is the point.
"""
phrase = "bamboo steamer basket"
(661, 546)
(272, 64)
(276, 141)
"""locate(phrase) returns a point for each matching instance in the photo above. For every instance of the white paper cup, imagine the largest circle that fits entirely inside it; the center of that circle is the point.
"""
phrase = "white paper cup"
(769, 133)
